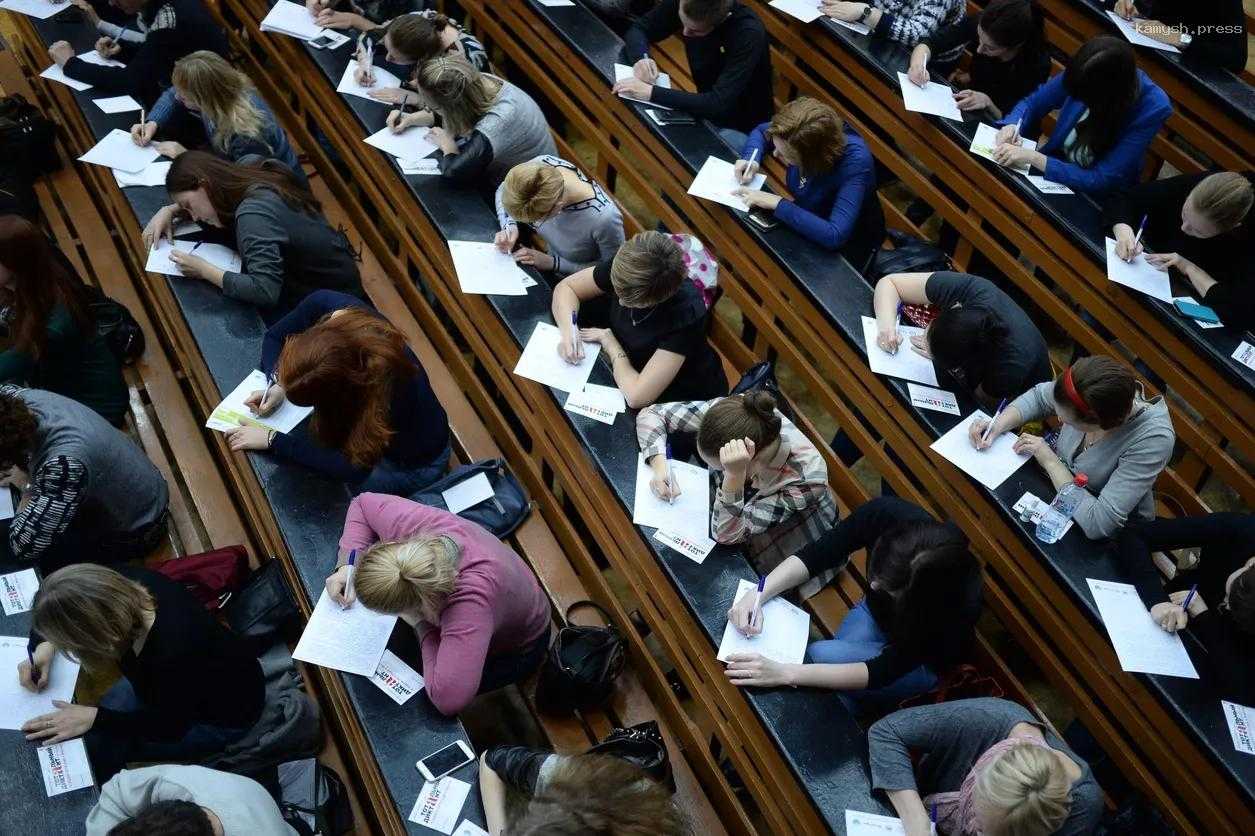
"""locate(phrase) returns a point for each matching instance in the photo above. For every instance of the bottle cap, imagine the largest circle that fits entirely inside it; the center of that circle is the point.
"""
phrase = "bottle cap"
(1080, 480)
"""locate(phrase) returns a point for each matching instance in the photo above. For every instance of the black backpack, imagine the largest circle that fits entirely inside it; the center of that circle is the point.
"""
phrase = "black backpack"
(313, 800)
(581, 666)
(116, 325)
(27, 149)
(909, 255)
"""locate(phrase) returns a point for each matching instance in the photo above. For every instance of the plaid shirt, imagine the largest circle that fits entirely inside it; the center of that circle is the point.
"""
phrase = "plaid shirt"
(786, 503)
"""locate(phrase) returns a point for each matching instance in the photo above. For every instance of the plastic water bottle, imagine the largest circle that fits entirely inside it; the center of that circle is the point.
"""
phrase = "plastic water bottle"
(1056, 517)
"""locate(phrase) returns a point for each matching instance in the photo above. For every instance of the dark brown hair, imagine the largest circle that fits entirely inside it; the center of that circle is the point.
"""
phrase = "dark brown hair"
(1103, 75)
(346, 366)
(169, 818)
(1241, 608)
(1014, 23)
(751, 415)
(815, 132)
(1105, 386)
(227, 183)
(417, 36)
(706, 11)
(40, 281)
(17, 430)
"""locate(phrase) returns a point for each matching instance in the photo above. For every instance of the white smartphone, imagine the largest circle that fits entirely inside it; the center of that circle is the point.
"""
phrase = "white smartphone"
(443, 761)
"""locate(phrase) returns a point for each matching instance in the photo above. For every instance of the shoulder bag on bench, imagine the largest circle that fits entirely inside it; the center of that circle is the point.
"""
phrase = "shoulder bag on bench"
(501, 513)
(582, 664)
(641, 745)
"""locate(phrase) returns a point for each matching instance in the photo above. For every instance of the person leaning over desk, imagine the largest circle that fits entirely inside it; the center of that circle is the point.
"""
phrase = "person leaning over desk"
(488, 125)
(658, 319)
(917, 620)
(1202, 227)
(377, 424)
(479, 613)
(905, 21)
(1108, 113)
(287, 247)
(1110, 432)
(416, 37)
(830, 174)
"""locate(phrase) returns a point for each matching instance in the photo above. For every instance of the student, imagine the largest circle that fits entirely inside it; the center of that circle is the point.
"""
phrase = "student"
(49, 334)
(184, 799)
(87, 490)
(1108, 113)
(236, 120)
(1209, 33)
(481, 617)
(190, 687)
(415, 37)
(171, 29)
(981, 338)
(988, 765)
(1201, 226)
(376, 424)
(580, 223)
(118, 26)
(1111, 433)
(1221, 613)
(830, 174)
(570, 794)
(728, 56)
(488, 125)
(772, 485)
(1009, 57)
(658, 319)
(917, 620)
(287, 247)
(904, 21)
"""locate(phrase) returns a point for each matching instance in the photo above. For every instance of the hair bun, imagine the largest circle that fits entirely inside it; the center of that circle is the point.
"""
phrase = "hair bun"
(761, 402)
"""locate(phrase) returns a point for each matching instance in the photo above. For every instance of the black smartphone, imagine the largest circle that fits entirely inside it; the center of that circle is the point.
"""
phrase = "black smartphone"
(671, 117)
(763, 219)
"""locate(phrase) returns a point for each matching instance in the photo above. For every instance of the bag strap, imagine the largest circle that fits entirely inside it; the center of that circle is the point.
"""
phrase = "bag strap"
(566, 617)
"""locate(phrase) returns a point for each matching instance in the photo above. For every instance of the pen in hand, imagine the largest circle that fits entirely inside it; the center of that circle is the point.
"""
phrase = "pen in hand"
(670, 477)
(984, 437)
(348, 581)
(34, 669)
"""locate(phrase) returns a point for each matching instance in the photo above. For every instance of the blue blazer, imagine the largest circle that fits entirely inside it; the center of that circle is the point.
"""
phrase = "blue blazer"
(1122, 164)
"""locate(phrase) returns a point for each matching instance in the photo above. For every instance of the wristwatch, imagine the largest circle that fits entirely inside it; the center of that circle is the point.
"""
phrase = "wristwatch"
(1185, 38)
(867, 12)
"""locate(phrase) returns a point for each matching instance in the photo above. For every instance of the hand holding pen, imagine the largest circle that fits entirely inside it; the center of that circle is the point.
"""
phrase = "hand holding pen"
(744, 170)
(982, 431)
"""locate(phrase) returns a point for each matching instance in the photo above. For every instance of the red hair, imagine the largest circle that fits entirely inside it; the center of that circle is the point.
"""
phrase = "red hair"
(346, 367)
(40, 280)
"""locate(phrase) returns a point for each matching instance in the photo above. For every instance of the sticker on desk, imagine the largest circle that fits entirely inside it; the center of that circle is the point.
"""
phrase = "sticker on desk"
(871, 824)
(439, 803)
(1034, 508)
(1241, 720)
(581, 404)
(65, 766)
(1245, 354)
(926, 397)
(17, 591)
(397, 679)
(695, 548)
(469, 828)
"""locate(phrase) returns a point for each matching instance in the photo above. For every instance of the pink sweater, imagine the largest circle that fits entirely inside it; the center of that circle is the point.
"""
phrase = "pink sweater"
(496, 607)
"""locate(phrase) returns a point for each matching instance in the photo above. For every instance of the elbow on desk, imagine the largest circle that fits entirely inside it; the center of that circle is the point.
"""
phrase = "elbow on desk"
(449, 701)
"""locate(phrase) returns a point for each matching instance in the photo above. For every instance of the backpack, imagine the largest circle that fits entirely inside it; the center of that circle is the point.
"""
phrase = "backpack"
(27, 135)
(312, 799)
(212, 577)
(501, 514)
(116, 325)
(909, 255)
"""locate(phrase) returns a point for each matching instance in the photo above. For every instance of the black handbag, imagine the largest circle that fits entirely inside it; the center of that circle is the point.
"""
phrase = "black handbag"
(27, 137)
(501, 514)
(642, 746)
(581, 666)
(763, 376)
(909, 255)
(116, 325)
(263, 606)
(313, 799)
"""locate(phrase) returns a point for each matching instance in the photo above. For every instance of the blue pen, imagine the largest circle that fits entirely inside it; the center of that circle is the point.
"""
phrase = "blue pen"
(34, 670)
(348, 582)
(985, 435)
(1140, 229)
(757, 614)
(1185, 605)
(933, 828)
(670, 477)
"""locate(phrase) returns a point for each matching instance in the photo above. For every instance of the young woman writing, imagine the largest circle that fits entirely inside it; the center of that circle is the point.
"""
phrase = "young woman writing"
(481, 618)
(416, 37)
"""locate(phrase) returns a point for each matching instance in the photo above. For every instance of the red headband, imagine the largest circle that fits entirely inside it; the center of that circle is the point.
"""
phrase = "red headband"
(1069, 389)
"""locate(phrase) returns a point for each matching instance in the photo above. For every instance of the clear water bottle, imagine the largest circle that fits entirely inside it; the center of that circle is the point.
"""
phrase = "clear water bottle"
(1056, 517)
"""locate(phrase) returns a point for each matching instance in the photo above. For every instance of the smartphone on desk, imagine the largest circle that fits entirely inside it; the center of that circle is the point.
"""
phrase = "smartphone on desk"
(443, 761)
(1193, 311)
(763, 219)
(671, 117)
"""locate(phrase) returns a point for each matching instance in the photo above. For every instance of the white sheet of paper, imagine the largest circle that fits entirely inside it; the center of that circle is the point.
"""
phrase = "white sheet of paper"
(906, 364)
(985, 141)
(91, 56)
(1128, 28)
(38, 9)
(351, 640)
(17, 590)
(607, 397)
(694, 548)
(216, 254)
(806, 11)
(232, 412)
(556, 4)
(6, 503)
(1200, 323)
(65, 766)
(1241, 720)
(55, 73)
(581, 404)
(293, 19)
(482, 268)
(1245, 354)
(861, 28)
(786, 630)
(397, 679)
(117, 151)
(690, 512)
(871, 824)
(1037, 508)
(410, 144)
(716, 181)
(153, 174)
(117, 104)
(990, 467)
(440, 803)
(17, 705)
(1046, 186)
(468, 493)
(424, 166)
(1138, 274)
(1140, 643)
(540, 361)
(469, 828)
(934, 98)
(349, 86)
(939, 400)
(622, 71)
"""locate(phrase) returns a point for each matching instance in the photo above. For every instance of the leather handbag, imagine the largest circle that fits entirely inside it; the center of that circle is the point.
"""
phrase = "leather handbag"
(909, 255)
(501, 513)
(763, 376)
(213, 576)
(581, 666)
(642, 746)
(263, 606)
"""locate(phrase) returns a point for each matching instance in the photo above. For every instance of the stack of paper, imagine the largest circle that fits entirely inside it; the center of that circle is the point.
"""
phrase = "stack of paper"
(38, 9)
(786, 630)
(804, 10)
(990, 466)
(17, 705)
(352, 639)
(934, 98)
(153, 174)
(349, 86)
(601, 403)
(219, 256)
(292, 19)
(906, 363)
(232, 412)
(118, 104)
(717, 181)
(622, 71)
(1138, 274)
(1128, 28)
(541, 362)
(688, 513)
(482, 268)
(118, 151)
(17, 591)
(409, 144)
(1141, 645)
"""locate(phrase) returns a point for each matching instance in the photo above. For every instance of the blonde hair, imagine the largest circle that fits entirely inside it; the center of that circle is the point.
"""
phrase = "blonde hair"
(532, 190)
(91, 612)
(460, 93)
(222, 93)
(1225, 198)
(813, 130)
(408, 575)
(1026, 791)
(647, 269)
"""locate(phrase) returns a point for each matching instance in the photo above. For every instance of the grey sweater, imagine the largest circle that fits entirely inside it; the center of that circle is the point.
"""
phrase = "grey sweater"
(516, 129)
(581, 234)
(950, 737)
(1122, 466)
(287, 254)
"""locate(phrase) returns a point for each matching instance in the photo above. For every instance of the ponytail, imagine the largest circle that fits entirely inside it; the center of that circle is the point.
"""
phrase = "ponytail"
(751, 415)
